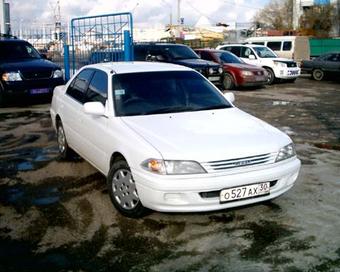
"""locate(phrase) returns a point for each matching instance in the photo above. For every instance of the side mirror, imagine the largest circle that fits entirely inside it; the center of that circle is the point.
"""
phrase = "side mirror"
(230, 97)
(251, 57)
(94, 108)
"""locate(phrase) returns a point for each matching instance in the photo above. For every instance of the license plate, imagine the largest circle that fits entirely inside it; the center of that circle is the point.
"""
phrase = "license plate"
(40, 91)
(260, 78)
(246, 191)
(293, 72)
(214, 78)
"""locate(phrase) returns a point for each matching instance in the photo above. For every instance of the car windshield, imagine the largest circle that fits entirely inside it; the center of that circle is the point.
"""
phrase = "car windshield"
(164, 92)
(264, 52)
(181, 52)
(20, 50)
(226, 57)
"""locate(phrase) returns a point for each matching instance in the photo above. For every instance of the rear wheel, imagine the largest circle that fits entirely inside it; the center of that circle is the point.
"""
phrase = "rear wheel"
(271, 76)
(228, 82)
(318, 74)
(123, 191)
(64, 150)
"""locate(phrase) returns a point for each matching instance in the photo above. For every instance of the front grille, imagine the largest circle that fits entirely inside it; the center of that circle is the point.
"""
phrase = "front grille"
(31, 75)
(219, 166)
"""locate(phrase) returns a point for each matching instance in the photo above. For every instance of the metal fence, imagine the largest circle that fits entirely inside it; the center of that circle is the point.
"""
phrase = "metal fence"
(101, 38)
(48, 39)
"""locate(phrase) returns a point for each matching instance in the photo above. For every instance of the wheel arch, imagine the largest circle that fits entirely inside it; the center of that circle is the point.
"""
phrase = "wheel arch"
(116, 156)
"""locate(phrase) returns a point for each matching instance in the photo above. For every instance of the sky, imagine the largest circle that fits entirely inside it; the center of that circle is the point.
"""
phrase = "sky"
(146, 13)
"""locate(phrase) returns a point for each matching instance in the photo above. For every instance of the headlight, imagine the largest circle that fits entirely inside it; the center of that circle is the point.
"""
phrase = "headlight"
(286, 152)
(11, 76)
(211, 71)
(170, 167)
(220, 70)
(57, 74)
(280, 64)
(246, 73)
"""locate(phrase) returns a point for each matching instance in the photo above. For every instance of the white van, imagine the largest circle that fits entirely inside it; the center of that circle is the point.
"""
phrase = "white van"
(290, 47)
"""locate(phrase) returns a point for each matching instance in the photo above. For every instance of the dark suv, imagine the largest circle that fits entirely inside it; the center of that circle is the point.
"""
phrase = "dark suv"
(178, 54)
(23, 71)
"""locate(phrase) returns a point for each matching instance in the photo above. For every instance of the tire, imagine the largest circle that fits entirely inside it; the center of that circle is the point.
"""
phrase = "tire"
(318, 74)
(2, 98)
(64, 150)
(228, 82)
(123, 191)
(271, 76)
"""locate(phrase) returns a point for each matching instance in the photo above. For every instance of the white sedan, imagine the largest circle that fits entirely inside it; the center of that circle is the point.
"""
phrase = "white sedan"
(168, 140)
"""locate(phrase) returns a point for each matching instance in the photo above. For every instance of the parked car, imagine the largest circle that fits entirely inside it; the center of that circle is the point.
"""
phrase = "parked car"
(290, 47)
(178, 54)
(237, 73)
(277, 68)
(167, 139)
(327, 65)
(24, 71)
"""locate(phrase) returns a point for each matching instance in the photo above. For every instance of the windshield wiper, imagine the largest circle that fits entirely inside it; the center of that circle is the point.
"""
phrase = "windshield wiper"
(171, 110)
(215, 107)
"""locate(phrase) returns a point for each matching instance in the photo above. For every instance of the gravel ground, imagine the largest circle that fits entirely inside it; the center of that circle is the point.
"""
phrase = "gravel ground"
(56, 215)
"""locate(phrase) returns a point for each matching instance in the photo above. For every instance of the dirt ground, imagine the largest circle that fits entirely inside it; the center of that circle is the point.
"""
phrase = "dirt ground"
(56, 215)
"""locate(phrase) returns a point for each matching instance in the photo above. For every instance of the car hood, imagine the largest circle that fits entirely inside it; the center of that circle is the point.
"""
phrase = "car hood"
(28, 65)
(196, 63)
(207, 135)
(279, 59)
(243, 66)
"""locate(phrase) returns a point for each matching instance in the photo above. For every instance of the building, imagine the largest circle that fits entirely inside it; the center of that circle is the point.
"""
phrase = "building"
(300, 6)
(5, 27)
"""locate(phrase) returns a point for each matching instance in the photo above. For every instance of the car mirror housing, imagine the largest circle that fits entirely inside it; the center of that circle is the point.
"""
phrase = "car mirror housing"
(251, 57)
(230, 97)
(94, 108)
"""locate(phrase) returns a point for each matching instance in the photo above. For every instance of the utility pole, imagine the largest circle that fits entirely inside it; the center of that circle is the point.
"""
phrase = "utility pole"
(178, 12)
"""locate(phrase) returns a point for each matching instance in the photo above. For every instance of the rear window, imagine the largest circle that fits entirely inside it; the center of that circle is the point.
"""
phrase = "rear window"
(274, 45)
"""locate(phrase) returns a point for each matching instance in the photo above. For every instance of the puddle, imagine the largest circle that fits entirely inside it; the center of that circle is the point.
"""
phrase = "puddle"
(21, 195)
(329, 146)
(281, 103)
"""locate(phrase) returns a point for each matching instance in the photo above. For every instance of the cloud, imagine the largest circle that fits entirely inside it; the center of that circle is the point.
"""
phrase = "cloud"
(146, 13)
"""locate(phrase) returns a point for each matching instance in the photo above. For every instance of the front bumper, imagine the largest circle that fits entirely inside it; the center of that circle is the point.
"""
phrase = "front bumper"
(287, 72)
(31, 87)
(184, 193)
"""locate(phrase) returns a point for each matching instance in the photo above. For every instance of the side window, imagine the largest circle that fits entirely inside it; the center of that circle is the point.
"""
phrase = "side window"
(258, 43)
(206, 56)
(276, 46)
(79, 85)
(159, 53)
(245, 52)
(97, 90)
(235, 50)
(287, 46)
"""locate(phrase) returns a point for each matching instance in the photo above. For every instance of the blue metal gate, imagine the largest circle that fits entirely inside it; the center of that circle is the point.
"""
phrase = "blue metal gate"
(101, 38)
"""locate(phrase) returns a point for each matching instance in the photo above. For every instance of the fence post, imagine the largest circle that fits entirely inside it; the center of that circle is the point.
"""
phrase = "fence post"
(127, 46)
(67, 61)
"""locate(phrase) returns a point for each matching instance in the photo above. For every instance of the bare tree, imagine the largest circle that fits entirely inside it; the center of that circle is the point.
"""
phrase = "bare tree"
(318, 20)
(276, 14)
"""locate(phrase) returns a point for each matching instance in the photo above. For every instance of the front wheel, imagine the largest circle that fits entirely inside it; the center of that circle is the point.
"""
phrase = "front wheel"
(64, 150)
(228, 82)
(318, 74)
(271, 76)
(123, 191)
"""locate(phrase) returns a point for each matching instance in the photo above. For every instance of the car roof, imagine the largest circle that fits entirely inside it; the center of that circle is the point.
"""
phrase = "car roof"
(159, 44)
(137, 66)
(11, 40)
(213, 50)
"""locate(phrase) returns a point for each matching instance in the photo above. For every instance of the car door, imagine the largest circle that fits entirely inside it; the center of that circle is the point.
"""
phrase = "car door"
(331, 63)
(94, 129)
(248, 55)
(72, 109)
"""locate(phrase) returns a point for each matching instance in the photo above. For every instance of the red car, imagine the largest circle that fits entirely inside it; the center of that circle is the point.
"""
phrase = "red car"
(236, 72)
